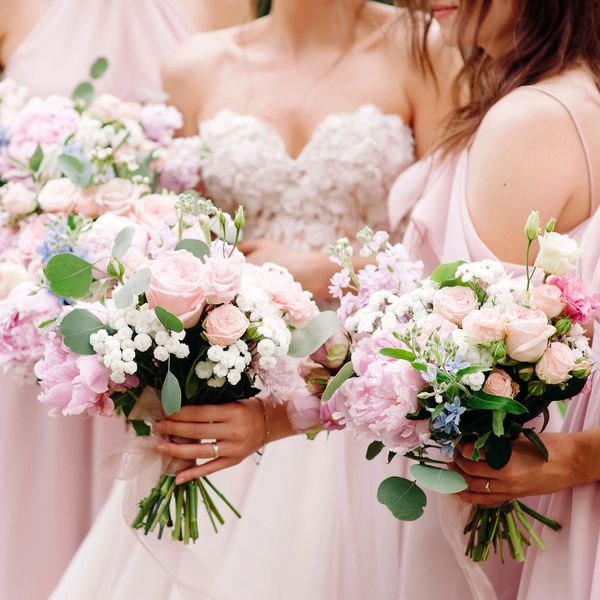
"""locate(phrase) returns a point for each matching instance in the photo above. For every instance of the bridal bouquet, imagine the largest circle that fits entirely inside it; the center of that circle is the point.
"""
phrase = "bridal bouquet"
(470, 354)
(144, 335)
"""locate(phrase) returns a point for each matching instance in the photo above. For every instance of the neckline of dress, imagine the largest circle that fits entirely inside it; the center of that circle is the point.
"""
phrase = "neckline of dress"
(273, 132)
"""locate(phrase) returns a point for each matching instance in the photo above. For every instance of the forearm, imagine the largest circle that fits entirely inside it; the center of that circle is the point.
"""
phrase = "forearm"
(586, 460)
(277, 422)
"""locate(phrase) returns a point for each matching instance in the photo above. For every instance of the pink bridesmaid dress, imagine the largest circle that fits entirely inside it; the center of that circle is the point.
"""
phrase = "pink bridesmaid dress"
(51, 486)
(441, 230)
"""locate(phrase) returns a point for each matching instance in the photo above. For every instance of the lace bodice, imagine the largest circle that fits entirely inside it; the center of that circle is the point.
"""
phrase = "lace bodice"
(338, 183)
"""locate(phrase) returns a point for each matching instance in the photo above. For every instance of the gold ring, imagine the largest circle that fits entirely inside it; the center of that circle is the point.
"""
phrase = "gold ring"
(487, 487)
(215, 448)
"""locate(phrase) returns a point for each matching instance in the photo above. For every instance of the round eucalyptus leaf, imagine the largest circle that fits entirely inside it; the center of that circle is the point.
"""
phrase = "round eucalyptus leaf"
(69, 276)
(309, 339)
(439, 480)
(405, 499)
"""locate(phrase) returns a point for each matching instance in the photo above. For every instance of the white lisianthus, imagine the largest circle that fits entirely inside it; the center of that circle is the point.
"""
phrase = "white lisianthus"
(558, 253)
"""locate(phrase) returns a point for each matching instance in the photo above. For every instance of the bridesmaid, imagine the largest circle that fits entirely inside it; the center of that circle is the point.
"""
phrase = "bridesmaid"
(50, 466)
(530, 141)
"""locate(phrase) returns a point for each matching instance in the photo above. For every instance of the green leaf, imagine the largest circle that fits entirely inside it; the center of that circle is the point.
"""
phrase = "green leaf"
(397, 353)
(36, 159)
(470, 371)
(137, 284)
(341, 376)
(77, 171)
(69, 276)
(497, 452)
(123, 242)
(498, 422)
(391, 456)
(196, 247)
(169, 320)
(46, 323)
(405, 499)
(536, 440)
(445, 271)
(485, 401)
(374, 449)
(84, 91)
(563, 407)
(439, 480)
(140, 427)
(99, 68)
(77, 326)
(309, 339)
(192, 381)
(171, 394)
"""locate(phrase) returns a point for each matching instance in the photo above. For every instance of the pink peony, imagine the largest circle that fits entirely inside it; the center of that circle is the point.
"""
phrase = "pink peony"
(176, 285)
(151, 210)
(225, 325)
(221, 279)
(455, 303)
(21, 339)
(556, 363)
(303, 410)
(330, 419)
(118, 196)
(548, 299)
(107, 107)
(580, 305)
(160, 122)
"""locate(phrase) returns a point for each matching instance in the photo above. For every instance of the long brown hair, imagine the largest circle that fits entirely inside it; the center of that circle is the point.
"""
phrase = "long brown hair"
(549, 36)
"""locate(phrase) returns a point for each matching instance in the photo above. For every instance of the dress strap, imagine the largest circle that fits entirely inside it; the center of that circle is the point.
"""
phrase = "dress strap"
(584, 144)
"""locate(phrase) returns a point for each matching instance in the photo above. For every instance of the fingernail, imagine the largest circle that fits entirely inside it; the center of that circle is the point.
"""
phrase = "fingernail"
(161, 447)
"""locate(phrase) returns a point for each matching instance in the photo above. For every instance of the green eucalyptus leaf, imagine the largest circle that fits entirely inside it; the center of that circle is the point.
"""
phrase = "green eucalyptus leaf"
(196, 247)
(69, 276)
(171, 394)
(99, 67)
(77, 326)
(137, 284)
(310, 338)
(374, 449)
(169, 320)
(36, 159)
(536, 440)
(84, 91)
(398, 354)
(72, 168)
(445, 271)
(336, 382)
(439, 480)
(481, 400)
(123, 242)
(405, 499)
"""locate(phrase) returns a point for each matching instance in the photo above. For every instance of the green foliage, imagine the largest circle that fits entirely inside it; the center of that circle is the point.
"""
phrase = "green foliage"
(342, 375)
(398, 354)
(78, 172)
(123, 242)
(536, 440)
(69, 276)
(309, 339)
(77, 326)
(374, 449)
(196, 247)
(497, 452)
(169, 320)
(84, 91)
(484, 401)
(171, 394)
(404, 498)
(445, 271)
(36, 159)
(99, 68)
(137, 284)
(439, 480)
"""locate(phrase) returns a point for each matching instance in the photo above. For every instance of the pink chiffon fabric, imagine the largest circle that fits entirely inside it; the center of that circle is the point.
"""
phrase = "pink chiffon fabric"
(441, 230)
(51, 481)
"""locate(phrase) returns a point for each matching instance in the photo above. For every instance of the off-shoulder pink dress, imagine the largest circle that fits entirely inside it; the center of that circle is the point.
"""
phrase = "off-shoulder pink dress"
(441, 230)
(51, 485)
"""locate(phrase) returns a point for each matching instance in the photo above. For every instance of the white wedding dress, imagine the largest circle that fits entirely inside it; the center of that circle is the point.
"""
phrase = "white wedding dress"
(311, 527)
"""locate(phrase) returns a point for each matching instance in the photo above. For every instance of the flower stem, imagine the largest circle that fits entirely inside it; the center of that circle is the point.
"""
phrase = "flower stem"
(216, 491)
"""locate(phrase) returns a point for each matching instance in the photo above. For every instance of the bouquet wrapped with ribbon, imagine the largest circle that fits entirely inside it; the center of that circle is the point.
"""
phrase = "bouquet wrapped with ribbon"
(469, 354)
(146, 333)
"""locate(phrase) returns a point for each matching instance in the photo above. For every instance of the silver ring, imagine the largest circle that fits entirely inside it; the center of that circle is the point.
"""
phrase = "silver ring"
(487, 487)
(215, 448)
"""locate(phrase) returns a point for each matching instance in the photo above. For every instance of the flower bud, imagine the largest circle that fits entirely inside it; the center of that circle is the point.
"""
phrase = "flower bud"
(582, 370)
(563, 326)
(316, 377)
(526, 373)
(498, 350)
(532, 226)
(550, 225)
(240, 218)
(332, 354)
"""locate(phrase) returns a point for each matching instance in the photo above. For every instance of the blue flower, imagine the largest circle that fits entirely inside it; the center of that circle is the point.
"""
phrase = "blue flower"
(4, 139)
(431, 374)
(447, 449)
(455, 364)
(449, 418)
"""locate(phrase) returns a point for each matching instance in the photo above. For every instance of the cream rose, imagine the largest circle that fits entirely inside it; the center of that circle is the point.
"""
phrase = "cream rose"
(548, 299)
(499, 383)
(455, 303)
(118, 196)
(175, 285)
(17, 200)
(86, 203)
(11, 274)
(151, 210)
(225, 325)
(221, 280)
(556, 363)
(484, 326)
(107, 107)
(527, 334)
(59, 195)
(558, 253)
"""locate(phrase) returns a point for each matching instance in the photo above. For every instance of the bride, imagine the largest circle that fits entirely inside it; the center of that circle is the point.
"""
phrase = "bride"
(310, 114)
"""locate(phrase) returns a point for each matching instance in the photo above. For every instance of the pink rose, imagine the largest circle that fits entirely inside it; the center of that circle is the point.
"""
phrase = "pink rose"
(499, 383)
(580, 305)
(18, 200)
(484, 326)
(225, 325)
(304, 410)
(117, 196)
(455, 303)
(58, 196)
(86, 203)
(176, 285)
(556, 363)
(221, 279)
(151, 210)
(107, 107)
(548, 299)
(527, 333)
(433, 322)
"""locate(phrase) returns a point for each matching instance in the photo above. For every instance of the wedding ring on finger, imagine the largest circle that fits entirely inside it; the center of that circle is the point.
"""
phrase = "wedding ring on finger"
(215, 448)
(487, 487)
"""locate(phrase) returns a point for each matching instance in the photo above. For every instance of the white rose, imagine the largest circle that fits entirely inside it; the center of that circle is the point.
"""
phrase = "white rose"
(17, 200)
(11, 274)
(558, 253)
(59, 195)
(118, 196)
